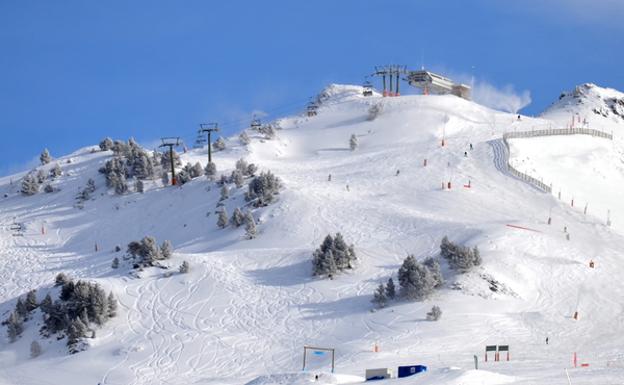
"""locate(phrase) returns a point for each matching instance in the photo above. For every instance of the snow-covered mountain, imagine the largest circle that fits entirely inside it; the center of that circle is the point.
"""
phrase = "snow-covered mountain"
(248, 306)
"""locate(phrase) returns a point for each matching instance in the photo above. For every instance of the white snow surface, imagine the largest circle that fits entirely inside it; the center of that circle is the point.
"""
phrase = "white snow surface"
(247, 307)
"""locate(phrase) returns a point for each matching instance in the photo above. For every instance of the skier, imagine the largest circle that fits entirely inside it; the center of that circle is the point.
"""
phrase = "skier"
(465, 154)
(329, 178)
(470, 146)
(397, 173)
(546, 340)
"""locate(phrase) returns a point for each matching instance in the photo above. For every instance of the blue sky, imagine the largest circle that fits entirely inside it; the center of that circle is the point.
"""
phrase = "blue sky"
(72, 72)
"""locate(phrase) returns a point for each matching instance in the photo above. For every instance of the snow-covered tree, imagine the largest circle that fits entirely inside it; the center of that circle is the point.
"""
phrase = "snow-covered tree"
(31, 301)
(45, 157)
(46, 304)
(244, 138)
(434, 267)
(237, 218)
(219, 144)
(35, 349)
(112, 305)
(30, 185)
(353, 142)
(435, 313)
(250, 226)
(263, 189)
(196, 170)
(20, 308)
(237, 178)
(459, 258)
(41, 176)
(374, 111)
(106, 144)
(56, 171)
(48, 188)
(15, 326)
(115, 263)
(222, 220)
(139, 186)
(211, 170)
(166, 249)
(75, 333)
(333, 255)
(61, 279)
(390, 289)
(379, 297)
(184, 267)
(225, 193)
(416, 280)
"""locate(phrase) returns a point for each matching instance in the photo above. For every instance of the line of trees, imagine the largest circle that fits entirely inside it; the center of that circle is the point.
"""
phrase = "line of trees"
(74, 314)
(417, 281)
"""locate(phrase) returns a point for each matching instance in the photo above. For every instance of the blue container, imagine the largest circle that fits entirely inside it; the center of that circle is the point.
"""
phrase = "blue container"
(406, 371)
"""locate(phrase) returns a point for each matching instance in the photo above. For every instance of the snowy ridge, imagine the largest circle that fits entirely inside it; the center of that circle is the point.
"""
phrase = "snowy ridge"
(247, 307)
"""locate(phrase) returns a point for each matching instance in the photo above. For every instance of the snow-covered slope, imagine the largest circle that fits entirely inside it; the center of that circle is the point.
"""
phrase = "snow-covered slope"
(248, 307)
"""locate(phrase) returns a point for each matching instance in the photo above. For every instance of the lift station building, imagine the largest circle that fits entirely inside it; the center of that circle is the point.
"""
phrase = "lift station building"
(433, 83)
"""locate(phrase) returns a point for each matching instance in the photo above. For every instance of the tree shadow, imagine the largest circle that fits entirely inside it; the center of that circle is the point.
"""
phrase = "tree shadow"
(340, 308)
(289, 275)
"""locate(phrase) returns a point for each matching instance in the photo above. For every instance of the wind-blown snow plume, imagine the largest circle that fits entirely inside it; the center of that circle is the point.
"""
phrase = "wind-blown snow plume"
(506, 98)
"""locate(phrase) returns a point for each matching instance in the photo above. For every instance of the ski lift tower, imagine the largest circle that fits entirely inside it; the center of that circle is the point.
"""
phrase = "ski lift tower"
(390, 71)
(171, 142)
(209, 128)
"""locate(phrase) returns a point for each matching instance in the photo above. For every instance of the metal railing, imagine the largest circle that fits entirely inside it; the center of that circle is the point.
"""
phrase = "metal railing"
(545, 132)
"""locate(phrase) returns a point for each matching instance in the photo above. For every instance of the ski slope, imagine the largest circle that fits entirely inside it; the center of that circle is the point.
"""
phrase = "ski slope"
(247, 307)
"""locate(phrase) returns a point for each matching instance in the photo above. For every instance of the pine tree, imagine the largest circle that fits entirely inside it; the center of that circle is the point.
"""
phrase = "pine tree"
(211, 170)
(237, 218)
(219, 144)
(244, 138)
(197, 170)
(31, 301)
(45, 157)
(434, 267)
(184, 267)
(99, 304)
(20, 309)
(30, 185)
(353, 142)
(225, 193)
(75, 332)
(14, 326)
(250, 226)
(106, 144)
(35, 349)
(166, 249)
(138, 186)
(415, 279)
(222, 221)
(379, 298)
(390, 289)
(56, 171)
(237, 178)
(41, 176)
(46, 304)
(112, 305)
(61, 279)
(434, 314)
